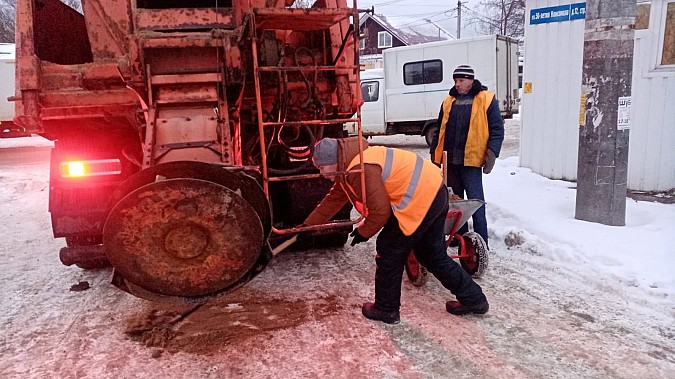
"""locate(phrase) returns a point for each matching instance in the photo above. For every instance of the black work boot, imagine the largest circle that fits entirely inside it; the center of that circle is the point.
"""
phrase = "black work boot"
(457, 308)
(370, 312)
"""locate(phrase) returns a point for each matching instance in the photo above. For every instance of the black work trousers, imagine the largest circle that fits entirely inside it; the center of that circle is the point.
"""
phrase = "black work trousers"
(428, 242)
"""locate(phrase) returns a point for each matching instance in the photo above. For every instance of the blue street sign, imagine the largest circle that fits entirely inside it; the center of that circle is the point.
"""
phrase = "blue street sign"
(560, 13)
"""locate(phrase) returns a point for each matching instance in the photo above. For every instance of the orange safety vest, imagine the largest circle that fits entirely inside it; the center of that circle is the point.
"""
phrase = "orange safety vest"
(476, 140)
(410, 181)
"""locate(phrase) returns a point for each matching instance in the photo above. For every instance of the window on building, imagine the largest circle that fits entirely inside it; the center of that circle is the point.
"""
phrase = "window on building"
(642, 16)
(668, 52)
(370, 91)
(425, 72)
(362, 43)
(383, 40)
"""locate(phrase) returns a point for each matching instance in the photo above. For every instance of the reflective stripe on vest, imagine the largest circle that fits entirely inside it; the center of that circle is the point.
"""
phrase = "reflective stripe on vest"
(414, 180)
(410, 182)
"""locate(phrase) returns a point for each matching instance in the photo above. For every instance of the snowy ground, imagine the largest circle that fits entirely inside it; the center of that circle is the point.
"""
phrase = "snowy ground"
(569, 299)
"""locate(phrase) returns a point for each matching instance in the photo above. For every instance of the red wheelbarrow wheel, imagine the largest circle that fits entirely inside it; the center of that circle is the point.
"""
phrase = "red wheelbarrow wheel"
(474, 258)
(417, 274)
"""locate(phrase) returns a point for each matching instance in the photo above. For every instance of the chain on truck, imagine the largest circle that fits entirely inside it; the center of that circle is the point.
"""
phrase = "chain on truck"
(183, 131)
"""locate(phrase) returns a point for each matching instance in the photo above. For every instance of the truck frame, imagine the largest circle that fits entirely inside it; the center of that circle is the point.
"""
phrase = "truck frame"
(183, 131)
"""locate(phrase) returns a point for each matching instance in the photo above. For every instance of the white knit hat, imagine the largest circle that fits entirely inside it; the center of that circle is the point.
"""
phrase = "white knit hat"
(463, 71)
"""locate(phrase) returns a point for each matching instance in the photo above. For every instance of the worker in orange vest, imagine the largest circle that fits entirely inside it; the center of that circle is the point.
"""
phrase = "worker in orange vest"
(407, 203)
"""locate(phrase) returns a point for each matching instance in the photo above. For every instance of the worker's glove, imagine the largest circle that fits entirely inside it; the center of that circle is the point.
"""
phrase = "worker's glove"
(489, 162)
(358, 238)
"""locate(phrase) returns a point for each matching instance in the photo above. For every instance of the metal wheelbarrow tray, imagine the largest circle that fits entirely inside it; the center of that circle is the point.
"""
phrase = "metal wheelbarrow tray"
(472, 251)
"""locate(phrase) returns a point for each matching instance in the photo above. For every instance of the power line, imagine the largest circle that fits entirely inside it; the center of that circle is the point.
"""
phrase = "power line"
(419, 20)
(414, 5)
(387, 3)
(429, 14)
(479, 15)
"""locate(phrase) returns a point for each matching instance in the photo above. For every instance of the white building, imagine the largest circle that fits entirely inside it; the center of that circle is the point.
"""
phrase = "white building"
(7, 63)
(552, 94)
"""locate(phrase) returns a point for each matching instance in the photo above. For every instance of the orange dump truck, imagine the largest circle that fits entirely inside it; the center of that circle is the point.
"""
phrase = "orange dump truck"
(183, 131)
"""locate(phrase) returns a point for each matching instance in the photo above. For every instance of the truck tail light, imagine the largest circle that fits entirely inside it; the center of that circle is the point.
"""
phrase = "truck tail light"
(81, 169)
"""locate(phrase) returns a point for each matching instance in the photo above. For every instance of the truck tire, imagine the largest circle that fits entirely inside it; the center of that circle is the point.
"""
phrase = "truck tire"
(168, 237)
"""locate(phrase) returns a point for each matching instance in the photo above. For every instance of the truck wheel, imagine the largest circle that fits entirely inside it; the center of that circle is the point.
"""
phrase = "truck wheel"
(241, 183)
(429, 135)
(184, 237)
(475, 262)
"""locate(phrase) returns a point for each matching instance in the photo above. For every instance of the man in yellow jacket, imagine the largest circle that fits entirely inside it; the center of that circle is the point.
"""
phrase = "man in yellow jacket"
(407, 201)
(471, 130)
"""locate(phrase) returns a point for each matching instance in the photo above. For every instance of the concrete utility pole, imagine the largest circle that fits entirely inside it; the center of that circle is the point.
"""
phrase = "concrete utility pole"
(459, 19)
(605, 117)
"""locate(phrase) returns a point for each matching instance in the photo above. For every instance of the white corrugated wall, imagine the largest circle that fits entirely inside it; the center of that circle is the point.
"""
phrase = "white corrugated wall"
(550, 113)
(651, 150)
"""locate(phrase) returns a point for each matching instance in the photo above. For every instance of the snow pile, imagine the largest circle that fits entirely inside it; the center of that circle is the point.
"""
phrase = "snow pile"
(542, 211)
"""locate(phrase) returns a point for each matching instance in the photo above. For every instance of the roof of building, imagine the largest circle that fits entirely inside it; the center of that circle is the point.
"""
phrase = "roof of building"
(410, 31)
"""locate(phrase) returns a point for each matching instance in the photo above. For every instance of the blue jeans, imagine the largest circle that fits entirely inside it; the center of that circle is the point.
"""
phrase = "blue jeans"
(469, 180)
(428, 242)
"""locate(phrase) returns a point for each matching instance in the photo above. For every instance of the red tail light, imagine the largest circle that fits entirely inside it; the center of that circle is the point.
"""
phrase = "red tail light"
(80, 169)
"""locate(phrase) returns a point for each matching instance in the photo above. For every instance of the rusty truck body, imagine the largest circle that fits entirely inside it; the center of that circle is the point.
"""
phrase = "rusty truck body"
(183, 131)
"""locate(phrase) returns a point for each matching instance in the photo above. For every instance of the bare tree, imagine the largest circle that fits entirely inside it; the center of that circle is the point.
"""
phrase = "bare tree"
(505, 17)
(8, 12)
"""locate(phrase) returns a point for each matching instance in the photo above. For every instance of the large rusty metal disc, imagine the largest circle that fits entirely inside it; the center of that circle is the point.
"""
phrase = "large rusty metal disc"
(242, 184)
(183, 237)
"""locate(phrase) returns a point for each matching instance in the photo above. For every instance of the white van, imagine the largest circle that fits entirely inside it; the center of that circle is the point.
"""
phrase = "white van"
(7, 80)
(406, 95)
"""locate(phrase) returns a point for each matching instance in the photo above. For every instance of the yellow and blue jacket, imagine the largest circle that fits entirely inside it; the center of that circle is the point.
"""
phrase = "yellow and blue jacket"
(469, 124)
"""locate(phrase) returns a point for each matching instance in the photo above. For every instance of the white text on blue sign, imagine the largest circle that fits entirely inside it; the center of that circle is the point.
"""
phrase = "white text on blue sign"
(558, 14)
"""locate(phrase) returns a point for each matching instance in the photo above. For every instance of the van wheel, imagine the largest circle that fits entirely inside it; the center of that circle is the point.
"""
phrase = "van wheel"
(429, 135)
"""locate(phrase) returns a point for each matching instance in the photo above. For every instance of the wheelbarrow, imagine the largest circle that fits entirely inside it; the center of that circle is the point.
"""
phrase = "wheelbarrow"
(472, 251)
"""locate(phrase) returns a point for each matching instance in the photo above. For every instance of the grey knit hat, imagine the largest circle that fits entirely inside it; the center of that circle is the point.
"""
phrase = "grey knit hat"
(326, 152)
(463, 71)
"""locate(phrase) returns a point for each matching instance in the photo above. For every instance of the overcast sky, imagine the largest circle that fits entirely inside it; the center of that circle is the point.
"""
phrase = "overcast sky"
(441, 12)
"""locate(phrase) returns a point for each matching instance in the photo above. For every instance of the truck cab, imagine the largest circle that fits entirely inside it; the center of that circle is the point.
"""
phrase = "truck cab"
(373, 108)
